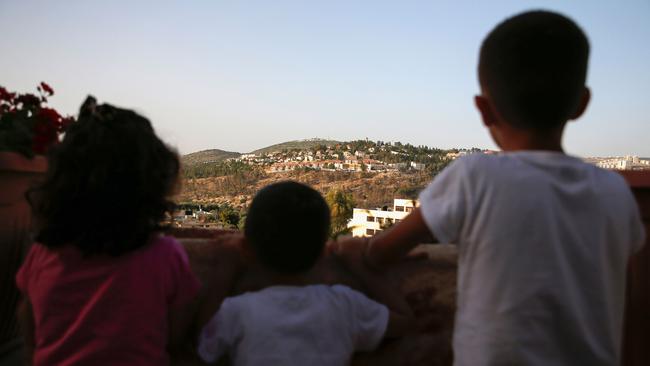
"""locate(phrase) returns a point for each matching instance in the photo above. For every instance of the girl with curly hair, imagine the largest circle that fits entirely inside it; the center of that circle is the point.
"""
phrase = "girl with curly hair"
(102, 285)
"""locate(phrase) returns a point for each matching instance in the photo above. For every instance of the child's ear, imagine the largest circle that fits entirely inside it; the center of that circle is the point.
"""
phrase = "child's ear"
(485, 108)
(582, 105)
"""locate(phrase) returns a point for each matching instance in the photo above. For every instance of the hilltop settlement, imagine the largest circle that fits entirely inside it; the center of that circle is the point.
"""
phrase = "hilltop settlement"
(219, 185)
(326, 155)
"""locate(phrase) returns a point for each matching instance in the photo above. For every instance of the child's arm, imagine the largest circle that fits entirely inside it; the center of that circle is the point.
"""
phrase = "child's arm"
(26, 321)
(444, 207)
(390, 246)
(379, 287)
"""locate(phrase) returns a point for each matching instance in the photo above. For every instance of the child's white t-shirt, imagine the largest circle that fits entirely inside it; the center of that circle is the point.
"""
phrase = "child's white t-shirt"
(543, 241)
(290, 325)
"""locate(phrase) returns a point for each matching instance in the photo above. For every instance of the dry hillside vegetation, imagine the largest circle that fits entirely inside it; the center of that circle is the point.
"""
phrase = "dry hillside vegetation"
(369, 190)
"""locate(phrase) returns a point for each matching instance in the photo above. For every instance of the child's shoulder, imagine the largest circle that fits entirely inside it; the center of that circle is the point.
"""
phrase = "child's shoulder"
(317, 291)
(344, 290)
(342, 294)
(476, 162)
(537, 161)
(166, 244)
(307, 300)
(164, 248)
(529, 168)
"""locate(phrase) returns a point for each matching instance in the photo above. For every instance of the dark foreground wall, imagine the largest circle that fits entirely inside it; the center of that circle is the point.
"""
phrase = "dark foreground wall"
(428, 282)
(636, 335)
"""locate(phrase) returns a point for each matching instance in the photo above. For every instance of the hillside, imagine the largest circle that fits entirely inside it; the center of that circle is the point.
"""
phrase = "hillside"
(372, 172)
(208, 156)
(297, 144)
(368, 189)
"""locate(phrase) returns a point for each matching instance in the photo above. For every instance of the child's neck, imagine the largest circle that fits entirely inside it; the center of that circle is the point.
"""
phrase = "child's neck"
(520, 140)
(279, 279)
(532, 146)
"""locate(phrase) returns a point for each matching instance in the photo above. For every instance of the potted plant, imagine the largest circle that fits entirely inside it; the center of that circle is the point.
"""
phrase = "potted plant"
(28, 128)
(27, 125)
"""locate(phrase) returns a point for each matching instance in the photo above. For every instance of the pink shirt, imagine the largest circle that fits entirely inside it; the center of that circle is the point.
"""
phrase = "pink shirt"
(105, 310)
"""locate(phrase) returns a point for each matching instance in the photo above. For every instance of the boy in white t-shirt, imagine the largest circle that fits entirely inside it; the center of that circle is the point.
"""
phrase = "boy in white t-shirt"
(294, 322)
(543, 238)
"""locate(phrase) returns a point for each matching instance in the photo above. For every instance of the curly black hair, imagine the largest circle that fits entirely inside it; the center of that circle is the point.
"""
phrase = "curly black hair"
(108, 183)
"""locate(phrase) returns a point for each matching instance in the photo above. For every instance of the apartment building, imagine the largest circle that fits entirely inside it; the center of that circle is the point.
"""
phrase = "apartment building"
(367, 222)
(625, 163)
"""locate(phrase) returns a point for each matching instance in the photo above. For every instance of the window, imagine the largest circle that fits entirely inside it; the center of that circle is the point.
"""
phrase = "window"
(389, 220)
(380, 220)
(399, 208)
(370, 218)
(370, 232)
(397, 220)
(409, 209)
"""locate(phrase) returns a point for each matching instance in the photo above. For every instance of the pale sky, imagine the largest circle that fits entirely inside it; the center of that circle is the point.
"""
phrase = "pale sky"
(241, 75)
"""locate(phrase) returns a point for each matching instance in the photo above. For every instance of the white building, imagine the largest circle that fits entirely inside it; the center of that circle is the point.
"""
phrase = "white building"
(367, 222)
(398, 165)
(417, 166)
(625, 163)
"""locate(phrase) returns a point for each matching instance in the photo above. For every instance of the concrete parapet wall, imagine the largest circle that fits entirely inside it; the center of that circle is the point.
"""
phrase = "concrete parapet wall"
(427, 280)
(429, 284)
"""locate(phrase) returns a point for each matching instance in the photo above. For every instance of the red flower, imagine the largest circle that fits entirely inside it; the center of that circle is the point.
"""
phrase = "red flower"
(49, 115)
(5, 95)
(44, 124)
(28, 100)
(45, 135)
(47, 89)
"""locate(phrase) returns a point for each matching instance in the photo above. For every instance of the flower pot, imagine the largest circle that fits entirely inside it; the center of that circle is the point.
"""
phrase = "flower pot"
(17, 175)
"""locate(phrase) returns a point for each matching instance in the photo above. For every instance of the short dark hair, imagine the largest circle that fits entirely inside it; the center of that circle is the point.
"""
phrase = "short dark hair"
(107, 185)
(534, 66)
(287, 227)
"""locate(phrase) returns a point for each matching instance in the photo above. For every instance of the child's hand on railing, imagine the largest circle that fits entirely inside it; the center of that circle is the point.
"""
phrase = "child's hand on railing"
(352, 252)
(359, 251)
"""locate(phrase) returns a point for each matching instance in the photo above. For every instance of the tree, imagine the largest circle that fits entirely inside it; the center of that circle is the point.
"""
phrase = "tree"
(341, 209)
(242, 222)
(229, 216)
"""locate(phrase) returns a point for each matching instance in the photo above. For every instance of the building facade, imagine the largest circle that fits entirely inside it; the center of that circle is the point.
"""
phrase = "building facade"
(366, 222)
(625, 163)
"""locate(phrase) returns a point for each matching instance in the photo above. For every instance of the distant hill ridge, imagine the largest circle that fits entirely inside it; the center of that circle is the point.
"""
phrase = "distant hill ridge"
(208, 156)
(216, 155)
(296, 144)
